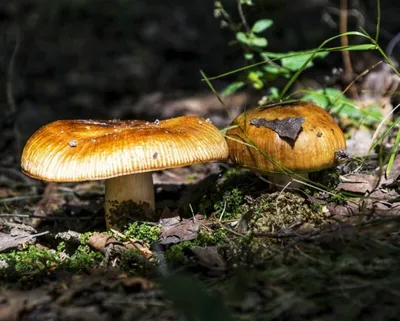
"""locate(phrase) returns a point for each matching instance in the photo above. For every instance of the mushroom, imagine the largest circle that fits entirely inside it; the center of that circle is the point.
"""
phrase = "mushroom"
(123, 153)
(285, 138)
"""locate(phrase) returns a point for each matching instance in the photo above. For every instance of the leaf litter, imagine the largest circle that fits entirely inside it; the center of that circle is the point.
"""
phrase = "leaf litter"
(361, 235)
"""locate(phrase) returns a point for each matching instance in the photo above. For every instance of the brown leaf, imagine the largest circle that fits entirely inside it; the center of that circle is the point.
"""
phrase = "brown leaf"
(139, 245)
(358, 183)
(288, 127)
(15, 238)
(343, 210)
(100, 241)
(175, 229)
(103, 242)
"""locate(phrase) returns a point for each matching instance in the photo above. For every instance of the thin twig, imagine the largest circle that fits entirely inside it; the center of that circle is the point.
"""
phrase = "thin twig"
(344, 41)
(242, 16)
(50, 218)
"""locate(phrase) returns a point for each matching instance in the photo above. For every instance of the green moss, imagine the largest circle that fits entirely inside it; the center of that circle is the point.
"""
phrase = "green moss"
(329, 178)
(143, 231)
(227, 208)
(207, 237)
(175, 255)
(228, 194)
(84, 238)
(134, 262)
(33, 262)
(337, 198)
(83, 258)
(272, 213)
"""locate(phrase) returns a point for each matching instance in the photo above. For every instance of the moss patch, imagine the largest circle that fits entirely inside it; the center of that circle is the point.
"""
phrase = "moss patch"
(272, 213)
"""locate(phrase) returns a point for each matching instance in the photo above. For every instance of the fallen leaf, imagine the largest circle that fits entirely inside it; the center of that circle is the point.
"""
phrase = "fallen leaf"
(358, 183)
(100, 241)
(16, 238)
(175, 229)
(287, 127)
(139, 245)
(105, 243)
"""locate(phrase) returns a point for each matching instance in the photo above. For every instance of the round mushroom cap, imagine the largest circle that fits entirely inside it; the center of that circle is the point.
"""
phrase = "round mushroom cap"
(309, 148)
(79, 150)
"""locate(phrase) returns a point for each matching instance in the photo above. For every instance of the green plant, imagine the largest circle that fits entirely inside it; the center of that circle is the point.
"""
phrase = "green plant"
(34, 261)
(264, 65)
(227, 207)
(143, 231)
(216, 236)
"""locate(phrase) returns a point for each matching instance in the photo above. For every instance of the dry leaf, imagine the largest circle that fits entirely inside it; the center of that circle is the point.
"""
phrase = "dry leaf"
(288, 127)
(358, 183)
(175, 229)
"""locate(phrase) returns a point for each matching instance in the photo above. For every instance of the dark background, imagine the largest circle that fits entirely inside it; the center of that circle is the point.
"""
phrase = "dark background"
(141, 58)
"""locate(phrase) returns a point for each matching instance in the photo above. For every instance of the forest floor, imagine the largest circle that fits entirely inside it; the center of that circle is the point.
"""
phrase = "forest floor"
(222, 246)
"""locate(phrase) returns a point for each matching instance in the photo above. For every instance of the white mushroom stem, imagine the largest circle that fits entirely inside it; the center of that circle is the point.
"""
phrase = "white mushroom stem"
(135, 187)
(282, 181)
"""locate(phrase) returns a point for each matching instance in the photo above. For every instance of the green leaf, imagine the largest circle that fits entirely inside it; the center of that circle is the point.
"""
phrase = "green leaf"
(343, 106)
(393, 154)
(295, 62)
(275, 69)
(254, 77)
(243, 38)
(261, 25)
(273, 93)
(258, 41)
(232, 88)
(248, 56)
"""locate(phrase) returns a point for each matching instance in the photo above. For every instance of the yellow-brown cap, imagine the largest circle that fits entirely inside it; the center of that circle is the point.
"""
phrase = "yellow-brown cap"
(314, 148)
(78, 150)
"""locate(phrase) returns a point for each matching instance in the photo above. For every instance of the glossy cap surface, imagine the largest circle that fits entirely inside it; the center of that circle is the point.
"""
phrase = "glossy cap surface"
(314, 147)
(78, 150)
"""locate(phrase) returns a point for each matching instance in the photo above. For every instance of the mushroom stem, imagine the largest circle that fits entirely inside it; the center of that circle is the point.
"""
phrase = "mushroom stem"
(283, 180)
(138, 188)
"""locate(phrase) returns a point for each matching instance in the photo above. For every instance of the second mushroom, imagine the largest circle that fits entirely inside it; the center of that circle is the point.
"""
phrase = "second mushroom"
(281, 139)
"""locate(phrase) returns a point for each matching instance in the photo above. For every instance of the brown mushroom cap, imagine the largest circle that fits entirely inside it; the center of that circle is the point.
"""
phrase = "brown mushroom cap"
(313, 149)
(77, 150)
